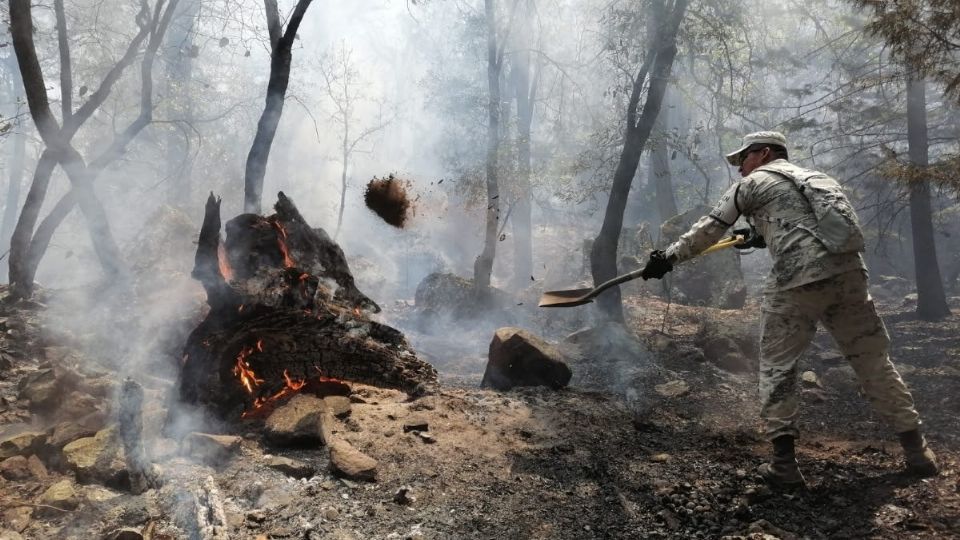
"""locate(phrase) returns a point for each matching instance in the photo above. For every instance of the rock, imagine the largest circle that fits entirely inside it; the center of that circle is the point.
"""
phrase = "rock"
(41, 388)
(351, 463)
(721, 337)
(910, 299)
(18, 518)
(810, 379)
(125, 533)
(404, 496)
(425, 437)
(519, 358)
(97, 459)
(15, 468)
(660, 458)
(290, 467)
(62, 495)
(331, 514)
(37, 469)
(210, 449)
(417, 424)
(21, 444)
(9, 535)
(338, 405)
(300, 421)
(672, 388)
(65, 433)
(714, 281)
(79, 405)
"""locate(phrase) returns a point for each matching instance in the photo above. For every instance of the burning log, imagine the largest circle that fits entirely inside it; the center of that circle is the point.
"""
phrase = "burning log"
(285, 317)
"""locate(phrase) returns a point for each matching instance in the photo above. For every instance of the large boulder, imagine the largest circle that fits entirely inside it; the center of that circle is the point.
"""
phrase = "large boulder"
(519, 358)
(443, 294)
(712, 280)
(732, 343)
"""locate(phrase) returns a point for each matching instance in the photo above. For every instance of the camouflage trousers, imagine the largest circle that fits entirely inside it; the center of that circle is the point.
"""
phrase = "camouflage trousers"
(843, 304)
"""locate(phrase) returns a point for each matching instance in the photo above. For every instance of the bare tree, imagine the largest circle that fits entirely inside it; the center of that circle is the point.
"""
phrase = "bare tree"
(27, 246)
(653, 74)
(281, 56)
(931, 299)
(344, 89)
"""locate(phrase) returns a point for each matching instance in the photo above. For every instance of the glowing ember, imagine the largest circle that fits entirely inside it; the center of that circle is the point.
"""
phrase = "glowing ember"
(225, 270)
(282, 242)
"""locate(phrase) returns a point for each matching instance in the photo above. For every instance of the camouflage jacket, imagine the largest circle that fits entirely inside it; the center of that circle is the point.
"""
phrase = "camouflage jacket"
(774, 206)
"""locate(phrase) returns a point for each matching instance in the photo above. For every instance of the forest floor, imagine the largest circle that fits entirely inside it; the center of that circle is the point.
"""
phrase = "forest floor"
(665, 452)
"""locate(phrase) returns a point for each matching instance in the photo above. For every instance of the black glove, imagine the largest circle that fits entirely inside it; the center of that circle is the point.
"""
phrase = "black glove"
(752, 238)
(657, 266)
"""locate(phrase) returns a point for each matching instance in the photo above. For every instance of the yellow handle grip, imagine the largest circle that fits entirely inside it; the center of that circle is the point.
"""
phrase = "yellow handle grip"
(725, 243)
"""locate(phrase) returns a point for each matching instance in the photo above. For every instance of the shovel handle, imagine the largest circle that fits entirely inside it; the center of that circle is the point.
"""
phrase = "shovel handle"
(724, 244)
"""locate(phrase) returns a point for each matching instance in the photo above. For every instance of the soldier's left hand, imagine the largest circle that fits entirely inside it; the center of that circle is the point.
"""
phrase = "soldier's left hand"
(657, 266)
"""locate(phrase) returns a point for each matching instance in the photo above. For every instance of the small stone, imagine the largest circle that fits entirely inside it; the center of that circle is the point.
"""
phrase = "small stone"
(352, 463)
(331, 514)
(37, 468)
(210, 449)
(810, 379)
(97, 459)
(125, 533)
(426, 437)
(404, 496)
(15, 468)
(6, 534)
(61, 495)
(290, 467)
(18, 518)
(672, 389)
(338, 405)
(660, 458)
(415, 425)
(328, 484)
(256, 516)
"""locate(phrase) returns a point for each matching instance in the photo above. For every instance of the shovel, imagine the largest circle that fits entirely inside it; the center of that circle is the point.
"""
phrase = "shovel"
(578, 297)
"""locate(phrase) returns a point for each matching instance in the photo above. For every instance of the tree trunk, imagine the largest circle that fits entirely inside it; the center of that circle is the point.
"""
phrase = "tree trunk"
(663, 49)
(15, 164)
(520, 215)
(280, 58)
(343, 178)
(660, 165)
(931, 300)
(483, 266)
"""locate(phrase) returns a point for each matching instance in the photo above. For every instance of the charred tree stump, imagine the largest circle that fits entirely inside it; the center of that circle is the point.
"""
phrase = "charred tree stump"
(142, 475)
(285, 316)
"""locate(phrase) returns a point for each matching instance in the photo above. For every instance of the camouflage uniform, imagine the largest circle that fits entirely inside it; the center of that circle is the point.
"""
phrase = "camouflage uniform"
(807, 284)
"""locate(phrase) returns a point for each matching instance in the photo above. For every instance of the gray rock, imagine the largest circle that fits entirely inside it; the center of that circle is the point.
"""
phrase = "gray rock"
(300, 421)
(519, 358)
(210, 449)
(350, 463)
(125, 533)
(290, 467)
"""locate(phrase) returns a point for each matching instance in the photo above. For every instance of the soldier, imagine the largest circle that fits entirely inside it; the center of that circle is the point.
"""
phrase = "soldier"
(808, 283)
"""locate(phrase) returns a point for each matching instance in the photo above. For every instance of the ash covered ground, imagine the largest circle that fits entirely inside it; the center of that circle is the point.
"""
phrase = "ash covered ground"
(663, 448)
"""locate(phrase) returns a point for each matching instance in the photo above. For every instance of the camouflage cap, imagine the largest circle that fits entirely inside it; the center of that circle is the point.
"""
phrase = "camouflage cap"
(761, 137)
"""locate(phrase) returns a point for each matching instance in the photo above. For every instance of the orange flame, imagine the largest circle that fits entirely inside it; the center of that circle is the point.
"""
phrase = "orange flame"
(242, 370)
(224, 263)
(282, 242)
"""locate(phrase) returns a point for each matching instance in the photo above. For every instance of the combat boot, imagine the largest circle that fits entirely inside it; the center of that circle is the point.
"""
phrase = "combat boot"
(921, 461)
(783, 471)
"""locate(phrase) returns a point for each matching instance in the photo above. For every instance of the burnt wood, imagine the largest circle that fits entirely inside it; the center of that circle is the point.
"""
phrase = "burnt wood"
(289, 310)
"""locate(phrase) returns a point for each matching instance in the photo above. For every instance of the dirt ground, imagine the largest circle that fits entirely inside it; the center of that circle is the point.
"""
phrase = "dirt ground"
(668, 451)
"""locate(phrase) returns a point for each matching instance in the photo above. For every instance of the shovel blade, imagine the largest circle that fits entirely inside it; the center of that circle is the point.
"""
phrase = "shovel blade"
(569, 298)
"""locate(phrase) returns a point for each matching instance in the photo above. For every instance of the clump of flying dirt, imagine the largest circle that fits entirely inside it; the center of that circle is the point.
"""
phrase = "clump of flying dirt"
(387, 197)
